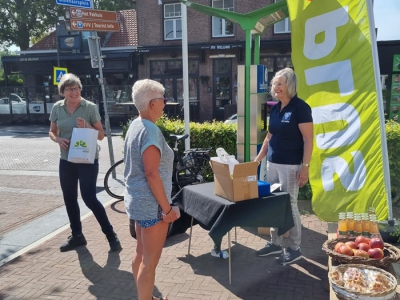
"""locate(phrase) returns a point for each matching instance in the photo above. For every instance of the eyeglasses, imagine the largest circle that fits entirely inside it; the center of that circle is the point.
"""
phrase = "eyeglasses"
(278, 84)
(164, 99)
(70, 90)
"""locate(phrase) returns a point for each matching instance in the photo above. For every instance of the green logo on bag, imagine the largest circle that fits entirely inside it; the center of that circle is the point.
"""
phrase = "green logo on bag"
(80, 143)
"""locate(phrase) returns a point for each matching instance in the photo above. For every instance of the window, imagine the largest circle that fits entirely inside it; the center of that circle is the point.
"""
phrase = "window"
(222, 27)
(172, 22)
(282, 26)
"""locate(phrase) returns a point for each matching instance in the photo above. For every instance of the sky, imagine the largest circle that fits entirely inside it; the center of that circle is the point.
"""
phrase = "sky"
(386, 14)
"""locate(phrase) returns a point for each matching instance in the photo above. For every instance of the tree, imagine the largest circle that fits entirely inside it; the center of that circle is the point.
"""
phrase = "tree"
(22, 20)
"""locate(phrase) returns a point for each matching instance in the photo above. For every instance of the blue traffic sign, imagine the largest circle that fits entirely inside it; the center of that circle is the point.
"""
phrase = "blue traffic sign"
(76, 3)
(58, 73)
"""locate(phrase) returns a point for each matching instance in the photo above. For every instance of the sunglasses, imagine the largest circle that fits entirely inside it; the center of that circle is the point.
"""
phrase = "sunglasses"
(164, 100)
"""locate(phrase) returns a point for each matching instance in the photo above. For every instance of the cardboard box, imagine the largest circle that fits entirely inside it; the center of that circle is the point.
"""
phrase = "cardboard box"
(243, 184)
(266, 231)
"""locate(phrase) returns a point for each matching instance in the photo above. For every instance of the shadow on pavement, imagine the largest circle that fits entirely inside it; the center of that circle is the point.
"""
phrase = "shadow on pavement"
(108, 282)
(256, 277)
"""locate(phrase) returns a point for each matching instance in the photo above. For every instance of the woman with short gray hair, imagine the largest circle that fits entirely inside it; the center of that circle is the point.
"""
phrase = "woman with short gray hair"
(148, 184)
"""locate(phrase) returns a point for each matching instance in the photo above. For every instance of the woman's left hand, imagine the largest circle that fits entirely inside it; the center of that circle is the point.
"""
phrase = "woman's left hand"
(302, 176)
(81, 123)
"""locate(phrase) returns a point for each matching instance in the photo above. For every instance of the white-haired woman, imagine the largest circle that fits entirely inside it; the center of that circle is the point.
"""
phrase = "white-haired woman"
(148, 175)
(288, 147)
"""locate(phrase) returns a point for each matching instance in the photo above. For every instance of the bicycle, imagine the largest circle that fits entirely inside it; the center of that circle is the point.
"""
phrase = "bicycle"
(191, 167)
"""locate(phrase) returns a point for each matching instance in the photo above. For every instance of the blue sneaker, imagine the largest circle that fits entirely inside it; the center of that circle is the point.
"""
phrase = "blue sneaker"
(289, 256)
(269, 249)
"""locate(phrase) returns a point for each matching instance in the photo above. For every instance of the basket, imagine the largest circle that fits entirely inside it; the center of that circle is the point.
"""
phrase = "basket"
(391, 254)
(349, 294)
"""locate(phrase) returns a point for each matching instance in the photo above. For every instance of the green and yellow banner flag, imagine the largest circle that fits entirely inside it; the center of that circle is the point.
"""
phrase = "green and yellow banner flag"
(332, 56)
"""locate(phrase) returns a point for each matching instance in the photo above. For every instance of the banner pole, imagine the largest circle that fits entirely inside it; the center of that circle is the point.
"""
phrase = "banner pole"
(385, 156)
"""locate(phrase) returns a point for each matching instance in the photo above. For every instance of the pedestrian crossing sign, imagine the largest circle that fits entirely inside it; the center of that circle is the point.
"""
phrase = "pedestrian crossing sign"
(58, 73)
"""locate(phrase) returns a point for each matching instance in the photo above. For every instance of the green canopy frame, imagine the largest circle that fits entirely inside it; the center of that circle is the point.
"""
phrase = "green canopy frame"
(254, 22)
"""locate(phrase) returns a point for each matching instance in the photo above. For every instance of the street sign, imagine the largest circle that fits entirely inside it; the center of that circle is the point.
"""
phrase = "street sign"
(90, 14)
(76, 3)
(58, 73)
(92, 25)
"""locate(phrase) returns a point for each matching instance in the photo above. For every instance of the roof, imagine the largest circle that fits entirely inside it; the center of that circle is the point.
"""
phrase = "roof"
(127, 36)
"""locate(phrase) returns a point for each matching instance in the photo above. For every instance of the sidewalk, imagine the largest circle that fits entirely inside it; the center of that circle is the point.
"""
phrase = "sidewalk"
(33, 267)
(93, 273)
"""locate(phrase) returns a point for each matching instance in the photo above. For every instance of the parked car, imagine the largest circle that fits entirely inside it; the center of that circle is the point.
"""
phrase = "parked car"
(18, 105)
(231, 120)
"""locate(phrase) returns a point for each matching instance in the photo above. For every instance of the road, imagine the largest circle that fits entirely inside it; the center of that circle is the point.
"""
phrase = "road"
(31, 204)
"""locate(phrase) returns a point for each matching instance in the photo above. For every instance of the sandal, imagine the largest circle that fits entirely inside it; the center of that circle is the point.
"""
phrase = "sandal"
(159, 298)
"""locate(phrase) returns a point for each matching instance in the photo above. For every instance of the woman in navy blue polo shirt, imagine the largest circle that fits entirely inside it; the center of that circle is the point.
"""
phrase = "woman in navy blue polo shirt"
(288, 147)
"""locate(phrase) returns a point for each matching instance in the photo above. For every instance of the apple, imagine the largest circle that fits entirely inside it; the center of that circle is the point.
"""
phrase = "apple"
(376, 243)
(361, 253)
(345, 250)
(361, 239)
(364, 246)
(376, 253)
(337, 246)
(351, 244)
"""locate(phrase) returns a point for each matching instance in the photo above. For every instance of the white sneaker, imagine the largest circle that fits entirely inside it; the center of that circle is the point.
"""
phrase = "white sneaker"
(222, 254)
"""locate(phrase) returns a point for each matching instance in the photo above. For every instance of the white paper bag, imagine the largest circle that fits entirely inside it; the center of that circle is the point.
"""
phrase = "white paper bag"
(83, 146)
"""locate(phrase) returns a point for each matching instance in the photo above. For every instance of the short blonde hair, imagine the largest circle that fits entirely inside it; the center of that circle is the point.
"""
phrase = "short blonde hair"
(291, 81)
(143, 91)
(67, 80)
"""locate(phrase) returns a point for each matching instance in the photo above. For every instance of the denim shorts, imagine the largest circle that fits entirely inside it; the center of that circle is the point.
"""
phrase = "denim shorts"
(148, 223)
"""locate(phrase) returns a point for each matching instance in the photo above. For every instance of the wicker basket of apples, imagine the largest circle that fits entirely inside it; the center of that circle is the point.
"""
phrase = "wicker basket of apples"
(362, 250)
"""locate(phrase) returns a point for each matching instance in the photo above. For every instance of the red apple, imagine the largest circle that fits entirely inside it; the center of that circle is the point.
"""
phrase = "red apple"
(337, 246)
(376, 253)
(361, 253)
(363, 246)
(351, 244)
(376, 243)
(361, 239)
(345, 250)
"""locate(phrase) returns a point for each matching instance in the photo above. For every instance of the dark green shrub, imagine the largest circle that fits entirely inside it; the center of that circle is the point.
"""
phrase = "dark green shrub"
(217, 134)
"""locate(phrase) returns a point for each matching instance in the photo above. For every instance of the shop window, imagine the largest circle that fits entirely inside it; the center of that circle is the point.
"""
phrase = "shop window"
(222, 27)
(282, 26)
(172, 22)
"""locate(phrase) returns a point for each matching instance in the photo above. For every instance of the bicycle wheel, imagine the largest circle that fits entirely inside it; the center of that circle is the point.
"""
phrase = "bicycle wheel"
(204, 171)
(114, 183)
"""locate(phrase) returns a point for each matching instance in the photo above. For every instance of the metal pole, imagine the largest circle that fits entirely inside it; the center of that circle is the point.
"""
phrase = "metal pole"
(375, 61)
(103, 92)
(185, 64)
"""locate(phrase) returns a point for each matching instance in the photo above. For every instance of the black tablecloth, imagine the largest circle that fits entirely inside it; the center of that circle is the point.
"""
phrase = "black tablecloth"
(219, 215)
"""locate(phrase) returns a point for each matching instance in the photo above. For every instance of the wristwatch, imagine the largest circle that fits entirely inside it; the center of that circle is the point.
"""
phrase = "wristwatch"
(306, 165)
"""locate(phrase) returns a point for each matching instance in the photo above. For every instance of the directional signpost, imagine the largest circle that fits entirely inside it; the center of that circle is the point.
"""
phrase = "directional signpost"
(91, 20)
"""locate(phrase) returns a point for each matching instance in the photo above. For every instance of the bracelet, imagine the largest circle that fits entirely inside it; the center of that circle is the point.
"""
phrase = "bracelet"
(167, 212)
(306, 165)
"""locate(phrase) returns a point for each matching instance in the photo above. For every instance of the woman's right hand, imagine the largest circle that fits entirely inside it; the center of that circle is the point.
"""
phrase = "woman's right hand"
(172, 216)
(64, 143)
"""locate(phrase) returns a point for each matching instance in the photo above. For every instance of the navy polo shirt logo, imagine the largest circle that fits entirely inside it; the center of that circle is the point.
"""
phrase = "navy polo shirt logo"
(286, 117)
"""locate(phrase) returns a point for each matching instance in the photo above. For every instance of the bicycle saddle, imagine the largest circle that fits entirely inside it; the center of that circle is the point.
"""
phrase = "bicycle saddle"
(179, 137)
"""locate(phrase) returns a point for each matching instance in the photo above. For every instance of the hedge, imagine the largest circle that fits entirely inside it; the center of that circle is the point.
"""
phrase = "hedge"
(217, 134)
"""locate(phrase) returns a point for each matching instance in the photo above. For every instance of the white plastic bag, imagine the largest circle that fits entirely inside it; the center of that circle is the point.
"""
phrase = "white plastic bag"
(83, 146)
(225, 158)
